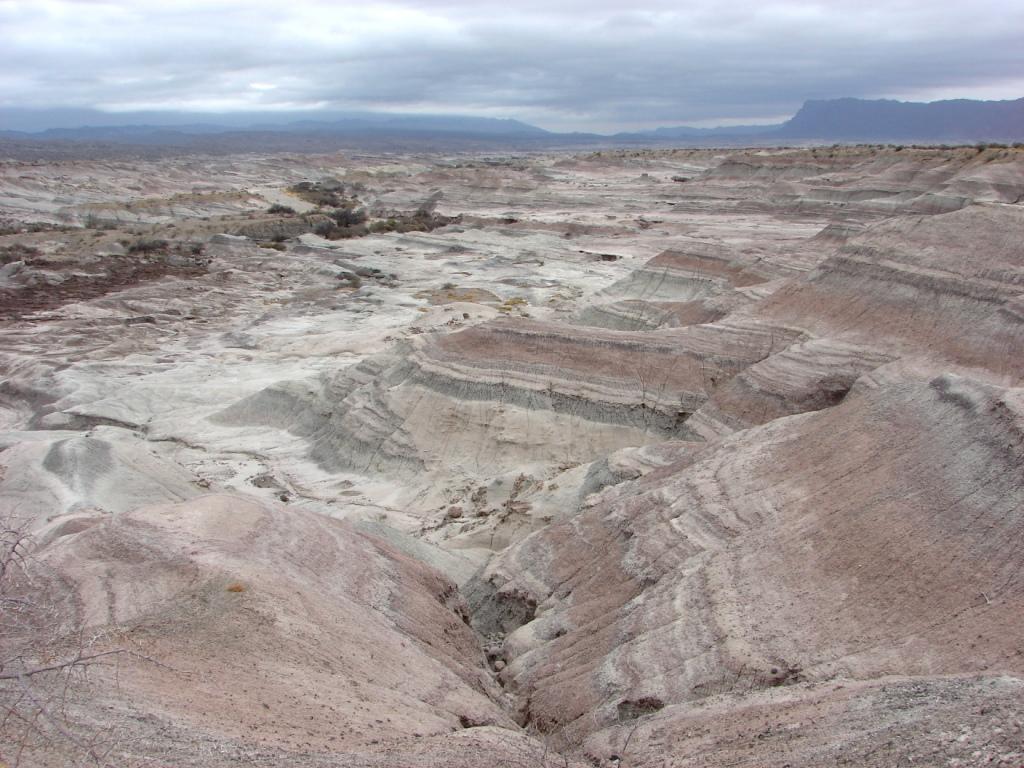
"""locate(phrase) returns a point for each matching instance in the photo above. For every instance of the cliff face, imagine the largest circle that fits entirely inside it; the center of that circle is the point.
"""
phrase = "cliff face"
(957, 120)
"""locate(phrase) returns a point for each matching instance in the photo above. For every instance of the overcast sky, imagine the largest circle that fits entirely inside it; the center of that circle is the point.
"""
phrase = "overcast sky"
(580, 65)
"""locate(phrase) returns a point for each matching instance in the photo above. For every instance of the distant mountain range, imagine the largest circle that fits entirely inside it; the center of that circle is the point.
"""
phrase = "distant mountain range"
(960, 120)
(881, 120)
(136, 130)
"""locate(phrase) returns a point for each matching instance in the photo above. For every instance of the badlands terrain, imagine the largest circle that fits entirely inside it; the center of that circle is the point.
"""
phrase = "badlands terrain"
(632, 458)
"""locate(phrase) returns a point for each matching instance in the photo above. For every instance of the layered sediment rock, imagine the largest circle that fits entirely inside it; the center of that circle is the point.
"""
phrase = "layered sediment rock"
(630, 470)
(946, 287)
(510, 393)
(870, 539)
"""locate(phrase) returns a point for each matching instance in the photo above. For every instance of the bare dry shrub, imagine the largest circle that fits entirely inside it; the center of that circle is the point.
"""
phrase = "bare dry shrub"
(45, 668)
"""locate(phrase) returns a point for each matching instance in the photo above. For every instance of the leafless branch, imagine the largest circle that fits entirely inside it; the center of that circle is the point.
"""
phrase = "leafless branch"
(80, 660)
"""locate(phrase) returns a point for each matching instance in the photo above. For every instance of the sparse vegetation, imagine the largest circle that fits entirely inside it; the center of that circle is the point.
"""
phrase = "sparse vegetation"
(420, 221)
(349, 217)
(18, 252)
(281, 210)
(148, 245)
(325, 194)
(331, 231)
(384, 225)
(43, 668)
(512, 304)
(348, 222)
(92, 221)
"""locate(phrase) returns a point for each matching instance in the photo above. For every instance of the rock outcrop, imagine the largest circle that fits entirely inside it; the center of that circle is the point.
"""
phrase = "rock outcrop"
(867, 540)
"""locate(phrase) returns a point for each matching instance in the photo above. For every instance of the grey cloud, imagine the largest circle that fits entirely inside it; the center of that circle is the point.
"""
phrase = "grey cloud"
(586, 65)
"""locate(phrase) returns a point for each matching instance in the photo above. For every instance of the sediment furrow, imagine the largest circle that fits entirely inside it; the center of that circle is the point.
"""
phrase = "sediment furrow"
(853, 567)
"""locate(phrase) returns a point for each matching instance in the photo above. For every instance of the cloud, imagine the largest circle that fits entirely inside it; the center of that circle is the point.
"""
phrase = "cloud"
(595, 65)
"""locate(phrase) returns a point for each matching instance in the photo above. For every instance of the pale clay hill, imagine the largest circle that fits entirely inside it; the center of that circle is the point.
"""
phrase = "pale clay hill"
(673, 458)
